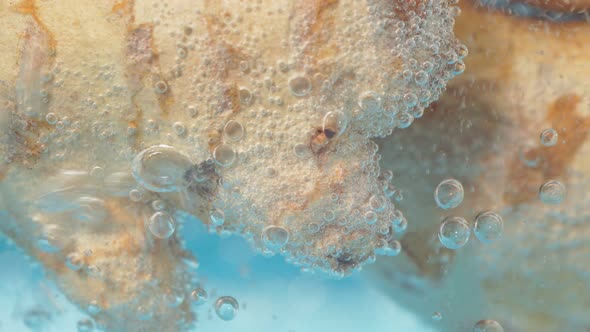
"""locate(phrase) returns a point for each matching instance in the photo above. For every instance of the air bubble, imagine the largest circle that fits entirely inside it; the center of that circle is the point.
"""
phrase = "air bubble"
(135, 195)
(404, 119)
(217, 217)
(397, 195)
(74, 261)
(488, 325)
(549, 137)
(370, 217)
(449, 194)
(245, 96)
(275, 237)
(85, 325)
(458, 68)
(369, 101)
(94, 308)
(97, 172)
(488, 227)
(161, 87)
(390, 249)
(428, 66)
(181, 52)
(417, 112)
(178, 128)
(161, 168)
(173, 298)
(90, 210)
(334, 124)
(226, 308)
(387, 175)
(161, 225)
(377, 202)
(329, 216)
(36, 319)
(199, 296)
(462, 51)
(313, 227)
(233, 131)
(301, 151)
(396, 217)
(158, 205)
(224, 155)
(401, 227)
(552, 192)
(410, 99)
(454, 232)
(300, 85)
(421, 77)
(51, 118)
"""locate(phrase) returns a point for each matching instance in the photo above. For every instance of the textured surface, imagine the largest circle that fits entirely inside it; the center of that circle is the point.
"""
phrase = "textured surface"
(523, 76)
(272, 103)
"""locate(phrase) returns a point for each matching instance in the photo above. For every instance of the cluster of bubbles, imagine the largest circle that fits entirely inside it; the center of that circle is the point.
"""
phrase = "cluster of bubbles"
(454, 231)
(419, 39)
(429, 57)
(87, 197)
(411, 54)
(226, 307)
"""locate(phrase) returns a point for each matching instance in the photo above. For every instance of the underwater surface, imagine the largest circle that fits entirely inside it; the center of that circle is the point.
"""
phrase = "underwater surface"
(295, 165)
(273, 296)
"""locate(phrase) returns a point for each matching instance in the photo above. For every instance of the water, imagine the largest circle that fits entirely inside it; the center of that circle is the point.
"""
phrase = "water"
(272, 294)
(279, 124)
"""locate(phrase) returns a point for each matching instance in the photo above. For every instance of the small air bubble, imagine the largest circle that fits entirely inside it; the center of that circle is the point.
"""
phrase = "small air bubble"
(300, 85)
(224, 155)
(552, 192)
(549, 137)
(161, 225)
(161, 87)
(226, 308)
(233, 131)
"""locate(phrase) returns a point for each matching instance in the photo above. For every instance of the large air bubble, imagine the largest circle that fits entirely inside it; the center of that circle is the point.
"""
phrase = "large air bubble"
(161, 168)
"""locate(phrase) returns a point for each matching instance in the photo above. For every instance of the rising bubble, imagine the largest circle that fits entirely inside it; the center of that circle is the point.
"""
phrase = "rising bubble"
(552, 192)
(488, 227)
(449, 194)
(226, 307)
(199, 296)
(549, 137)
(454, 232)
